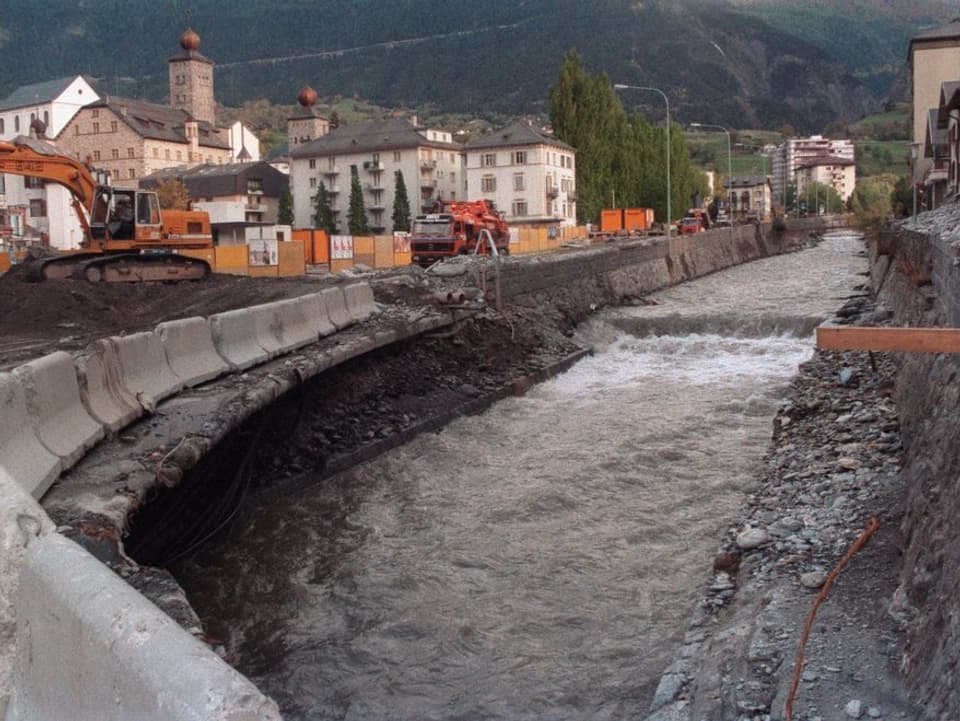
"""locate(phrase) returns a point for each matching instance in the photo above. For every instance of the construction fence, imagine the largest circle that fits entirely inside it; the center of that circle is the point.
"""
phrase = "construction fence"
(265, 258)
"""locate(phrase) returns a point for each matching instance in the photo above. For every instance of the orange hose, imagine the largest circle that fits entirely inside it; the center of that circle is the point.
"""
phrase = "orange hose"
(872, 526)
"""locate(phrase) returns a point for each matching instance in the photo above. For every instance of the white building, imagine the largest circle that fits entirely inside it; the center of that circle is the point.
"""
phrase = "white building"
(838, 173)
(796, 152)
(30, 210)
(428, 159)
(749, 197)
(529, 175)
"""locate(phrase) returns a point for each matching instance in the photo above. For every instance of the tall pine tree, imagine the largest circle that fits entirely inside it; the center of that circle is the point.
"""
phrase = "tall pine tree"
(357, 212)
(401, 204)
(322, 214)
(285, 206)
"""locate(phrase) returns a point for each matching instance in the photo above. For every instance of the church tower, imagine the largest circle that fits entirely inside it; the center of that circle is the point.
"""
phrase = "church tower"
(191, 80)
(308, 124)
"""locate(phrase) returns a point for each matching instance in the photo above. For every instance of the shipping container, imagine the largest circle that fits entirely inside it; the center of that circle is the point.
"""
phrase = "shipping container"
(637, 218)
(611, 220)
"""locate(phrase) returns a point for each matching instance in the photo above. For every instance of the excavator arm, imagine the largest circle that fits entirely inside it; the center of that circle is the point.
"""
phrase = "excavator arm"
(39, 159)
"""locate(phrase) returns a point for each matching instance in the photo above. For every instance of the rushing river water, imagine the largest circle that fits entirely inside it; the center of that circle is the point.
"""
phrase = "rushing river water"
(541, 560)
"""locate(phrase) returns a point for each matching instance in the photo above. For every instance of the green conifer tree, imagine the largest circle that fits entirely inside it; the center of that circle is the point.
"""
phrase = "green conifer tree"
(401, 205)
(356, 213)
(322, 214)
(285, 206)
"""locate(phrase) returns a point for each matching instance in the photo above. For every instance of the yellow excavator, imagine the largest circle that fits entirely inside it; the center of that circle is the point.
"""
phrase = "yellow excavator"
(127, 237)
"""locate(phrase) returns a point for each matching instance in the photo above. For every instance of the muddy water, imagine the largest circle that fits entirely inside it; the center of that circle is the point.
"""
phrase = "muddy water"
(539, 561)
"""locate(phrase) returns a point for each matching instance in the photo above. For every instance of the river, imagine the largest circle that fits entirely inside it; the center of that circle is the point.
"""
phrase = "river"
(540, 560)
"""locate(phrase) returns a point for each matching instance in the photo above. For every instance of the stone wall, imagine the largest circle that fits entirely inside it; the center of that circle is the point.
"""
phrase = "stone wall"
(922, 287)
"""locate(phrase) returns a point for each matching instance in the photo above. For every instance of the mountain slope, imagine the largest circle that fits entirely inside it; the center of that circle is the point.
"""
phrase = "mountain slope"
(737, 63)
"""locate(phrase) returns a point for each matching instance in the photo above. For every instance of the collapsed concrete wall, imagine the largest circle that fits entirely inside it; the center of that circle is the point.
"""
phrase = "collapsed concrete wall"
(920, 277)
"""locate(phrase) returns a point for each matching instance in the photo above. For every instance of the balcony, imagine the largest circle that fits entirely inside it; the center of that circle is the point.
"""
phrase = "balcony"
(332, 172)
(373, 166)
(371, 188)
(428, 184)
(572, 196)
(376, 205)
(428, 164)
(553, 193)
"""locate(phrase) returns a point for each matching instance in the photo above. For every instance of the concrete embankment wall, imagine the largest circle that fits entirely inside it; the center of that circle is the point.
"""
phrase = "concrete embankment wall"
(920, 278)
(72, 614)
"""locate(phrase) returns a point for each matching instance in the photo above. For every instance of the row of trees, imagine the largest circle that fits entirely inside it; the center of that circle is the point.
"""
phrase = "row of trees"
(621, 157)
(323, 218)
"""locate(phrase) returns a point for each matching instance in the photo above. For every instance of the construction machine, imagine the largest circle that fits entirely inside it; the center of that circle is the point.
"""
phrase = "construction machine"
(455, 230)
(126, 235)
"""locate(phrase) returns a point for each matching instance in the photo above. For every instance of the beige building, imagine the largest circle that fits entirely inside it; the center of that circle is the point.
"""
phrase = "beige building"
(749, 197)
(428, 160)
(836, 172)
(529, 175)
(934, 59)
(130, 138)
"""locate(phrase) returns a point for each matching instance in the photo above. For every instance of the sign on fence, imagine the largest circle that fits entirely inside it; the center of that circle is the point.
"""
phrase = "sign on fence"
(341, 247)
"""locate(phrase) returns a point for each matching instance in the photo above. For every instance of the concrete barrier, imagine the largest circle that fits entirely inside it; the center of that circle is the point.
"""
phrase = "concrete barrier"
(188, 344)
(91, 647)
(22, 455)
(235, 338)
(336, 305)
(146, 373)
(297, 316)
(320, 316)
(52, 394)
(21, 521)
(102, 390)
(359, 299)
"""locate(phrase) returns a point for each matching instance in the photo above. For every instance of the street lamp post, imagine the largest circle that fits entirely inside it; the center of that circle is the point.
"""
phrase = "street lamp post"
(620, 86)
(729, 164)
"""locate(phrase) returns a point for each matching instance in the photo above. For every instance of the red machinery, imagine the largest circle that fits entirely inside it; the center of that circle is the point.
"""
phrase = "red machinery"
(456, 229)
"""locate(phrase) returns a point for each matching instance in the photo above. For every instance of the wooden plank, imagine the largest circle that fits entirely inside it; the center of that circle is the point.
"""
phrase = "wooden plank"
(908, 340)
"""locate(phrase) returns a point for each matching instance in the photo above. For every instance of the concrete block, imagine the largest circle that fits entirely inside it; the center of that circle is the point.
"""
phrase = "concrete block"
(320, 316)
(191, 354)
(269, 328)
(297, 319)
(52, 394)
(102, 390)
(146, 373)
(22, 454)
(235, 338)
(336, 305)
(21, 521)
(359, 299)
(91, 647)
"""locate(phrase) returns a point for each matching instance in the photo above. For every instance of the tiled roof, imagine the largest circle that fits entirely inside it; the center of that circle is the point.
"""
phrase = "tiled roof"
(37, 93)
(515, 135)
(212, 180)
(160, 122)
(821, 160)
(943, 32)
(371, 136)
(744, 181)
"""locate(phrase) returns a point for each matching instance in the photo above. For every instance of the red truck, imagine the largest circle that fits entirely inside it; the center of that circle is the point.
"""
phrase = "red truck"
(455, 230)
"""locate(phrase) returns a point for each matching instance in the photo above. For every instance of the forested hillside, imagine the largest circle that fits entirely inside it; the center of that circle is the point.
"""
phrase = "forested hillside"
(750, 64)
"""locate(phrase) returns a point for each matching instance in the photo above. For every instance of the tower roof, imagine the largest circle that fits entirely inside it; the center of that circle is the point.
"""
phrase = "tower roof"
(190, 45)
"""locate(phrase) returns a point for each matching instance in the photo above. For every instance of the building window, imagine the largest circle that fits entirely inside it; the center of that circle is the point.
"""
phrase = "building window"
(156, 152)
(312, 163)
(518, 181)
(16, 123)
(95, 112)
(488, 184)
(96, 155)
(3, 186)
(38, 208)
(332, 163)
(115, 153)
(30, 181)
(396, 156)
(520, 157)
(96, 127)
(2, 128)
(519, 208)
(488, 160)
(130, 153)
(166, 153)
(254, 185)
(131, 173)
(113, 126)
(313, 182)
